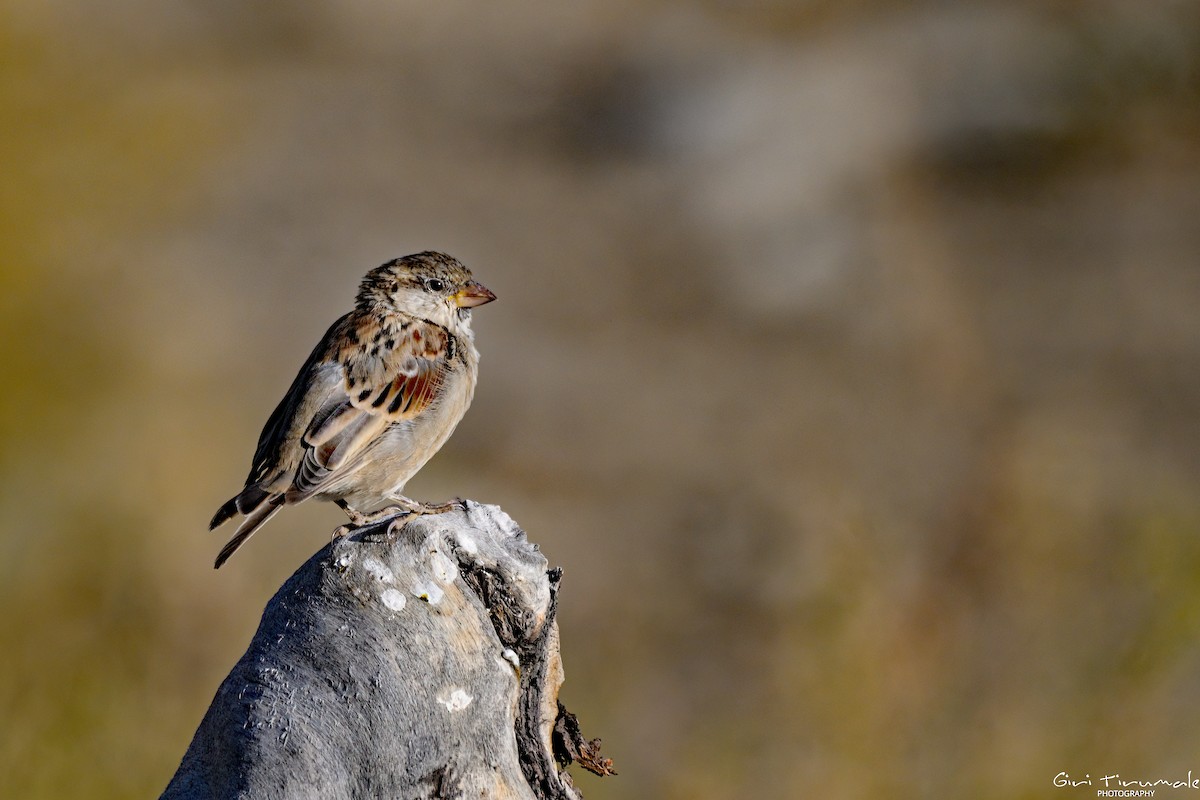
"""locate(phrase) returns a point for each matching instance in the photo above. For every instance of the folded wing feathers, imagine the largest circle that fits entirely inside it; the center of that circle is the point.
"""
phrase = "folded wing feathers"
(333, 423)
(354, 438)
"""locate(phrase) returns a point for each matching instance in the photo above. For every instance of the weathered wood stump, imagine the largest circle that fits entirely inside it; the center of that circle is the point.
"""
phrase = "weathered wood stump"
(402, 661)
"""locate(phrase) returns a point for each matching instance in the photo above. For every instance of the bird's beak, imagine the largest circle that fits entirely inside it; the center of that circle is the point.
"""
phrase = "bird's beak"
(473, 294)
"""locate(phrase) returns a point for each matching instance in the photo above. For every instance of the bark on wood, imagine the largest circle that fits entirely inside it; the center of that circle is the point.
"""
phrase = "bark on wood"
(403, 662)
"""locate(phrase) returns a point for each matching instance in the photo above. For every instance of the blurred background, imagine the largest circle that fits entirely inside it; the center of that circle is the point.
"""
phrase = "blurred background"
(847, 359)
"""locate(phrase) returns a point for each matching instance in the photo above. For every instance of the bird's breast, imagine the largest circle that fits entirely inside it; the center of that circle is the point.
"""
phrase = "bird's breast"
(404, 447)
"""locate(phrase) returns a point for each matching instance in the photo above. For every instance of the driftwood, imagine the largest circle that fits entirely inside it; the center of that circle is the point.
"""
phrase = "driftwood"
(401, 661)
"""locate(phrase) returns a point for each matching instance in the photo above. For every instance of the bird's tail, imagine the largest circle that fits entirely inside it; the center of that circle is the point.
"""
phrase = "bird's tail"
(223, 513)
(255, 520)
(244, 502)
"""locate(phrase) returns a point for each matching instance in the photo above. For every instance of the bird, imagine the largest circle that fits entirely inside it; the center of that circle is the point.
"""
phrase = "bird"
(377, 398)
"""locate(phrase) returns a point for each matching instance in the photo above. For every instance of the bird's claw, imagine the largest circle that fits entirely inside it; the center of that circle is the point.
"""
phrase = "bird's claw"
(420, 509)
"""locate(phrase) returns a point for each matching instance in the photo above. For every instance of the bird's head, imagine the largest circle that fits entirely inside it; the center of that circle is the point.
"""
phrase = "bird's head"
(428, 285)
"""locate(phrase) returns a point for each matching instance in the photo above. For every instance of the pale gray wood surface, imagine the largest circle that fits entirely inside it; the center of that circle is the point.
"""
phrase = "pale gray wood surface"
(413, 663)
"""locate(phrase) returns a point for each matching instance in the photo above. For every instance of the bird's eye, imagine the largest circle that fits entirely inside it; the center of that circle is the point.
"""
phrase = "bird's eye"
(434, 285)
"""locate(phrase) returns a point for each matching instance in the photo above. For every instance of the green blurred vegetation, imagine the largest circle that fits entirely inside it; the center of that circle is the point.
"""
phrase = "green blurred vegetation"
(97, 152)
(847, 358)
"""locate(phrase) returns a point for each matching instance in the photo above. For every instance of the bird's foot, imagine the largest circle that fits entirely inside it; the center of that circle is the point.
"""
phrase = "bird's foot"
(360, 520)
(419, 509)
(398, 516)
(363, 523)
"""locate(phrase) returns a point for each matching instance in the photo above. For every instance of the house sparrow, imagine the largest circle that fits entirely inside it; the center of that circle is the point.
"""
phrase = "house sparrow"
(379, 395)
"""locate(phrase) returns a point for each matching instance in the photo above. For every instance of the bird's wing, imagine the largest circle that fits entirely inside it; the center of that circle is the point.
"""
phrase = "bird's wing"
(314, 389)
(363, 377)
(390, 374)
(317, 386)
(399, 373)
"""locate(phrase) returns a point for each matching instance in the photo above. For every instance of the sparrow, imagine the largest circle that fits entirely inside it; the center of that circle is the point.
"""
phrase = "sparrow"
(377, 398)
